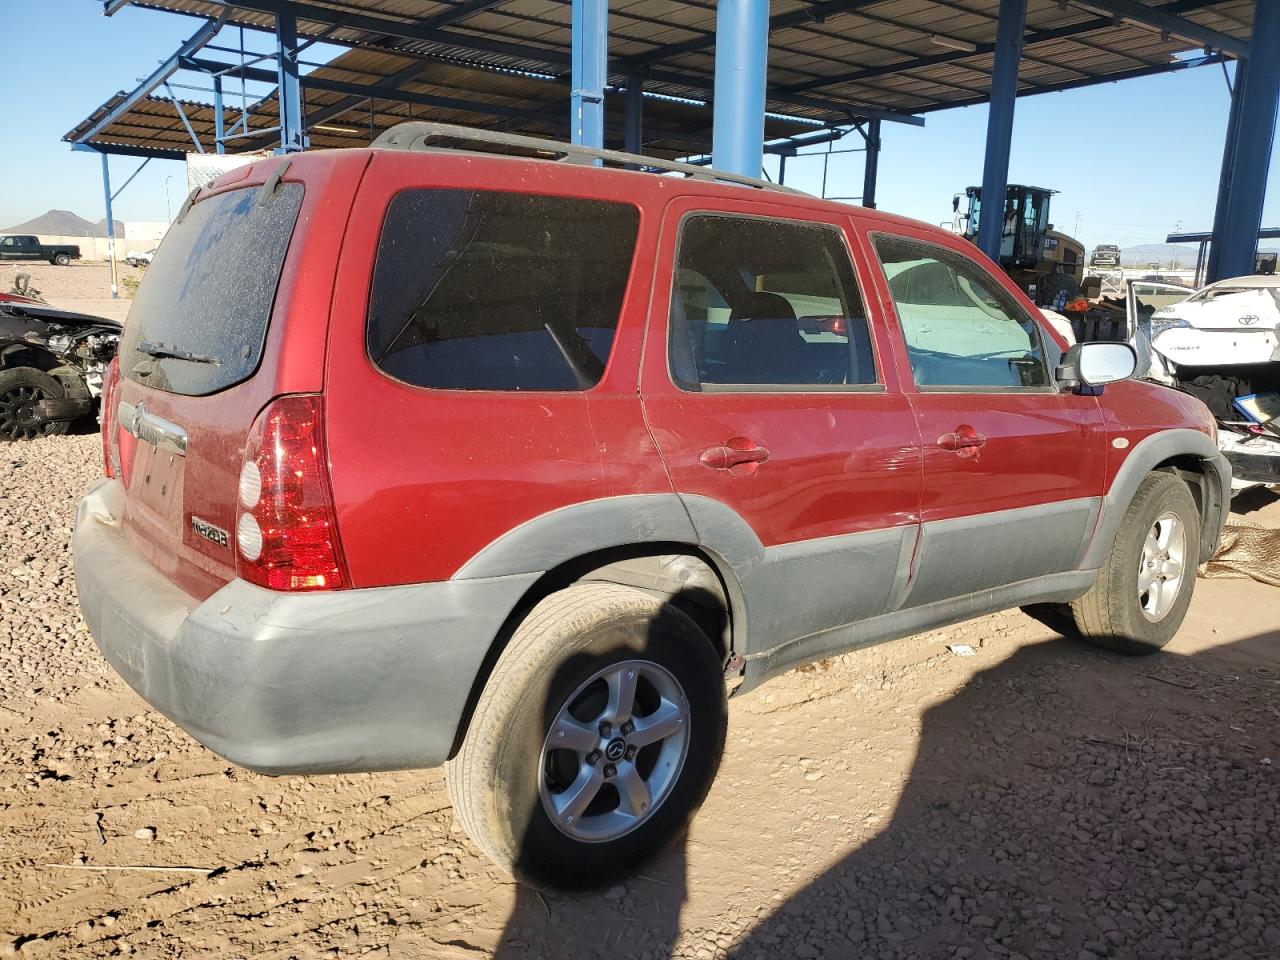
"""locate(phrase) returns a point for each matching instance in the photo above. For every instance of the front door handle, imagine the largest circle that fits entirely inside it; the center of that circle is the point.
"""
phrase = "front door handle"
(964, 438)
(737, 451)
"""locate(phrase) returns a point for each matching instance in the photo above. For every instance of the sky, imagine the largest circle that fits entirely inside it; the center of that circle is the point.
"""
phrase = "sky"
(1132, 161)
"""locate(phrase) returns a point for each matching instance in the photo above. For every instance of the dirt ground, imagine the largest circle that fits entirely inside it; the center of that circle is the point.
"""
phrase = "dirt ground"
(85, 287)
(1037, 799)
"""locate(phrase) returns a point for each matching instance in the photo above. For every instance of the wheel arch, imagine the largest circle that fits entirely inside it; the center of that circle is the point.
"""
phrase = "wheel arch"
(1188, 454)
(682, 572)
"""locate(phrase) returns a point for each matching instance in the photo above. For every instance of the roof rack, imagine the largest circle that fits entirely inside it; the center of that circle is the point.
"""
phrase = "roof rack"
(418, 134)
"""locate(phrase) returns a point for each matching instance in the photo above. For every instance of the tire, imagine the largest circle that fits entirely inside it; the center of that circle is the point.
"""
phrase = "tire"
(509, 785)
(20, 389)
(61, 259)
(1116, 613)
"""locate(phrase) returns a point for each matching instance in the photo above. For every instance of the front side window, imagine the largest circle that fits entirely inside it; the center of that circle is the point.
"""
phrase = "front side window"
(760, 302)
(961, 327)
(481, 290)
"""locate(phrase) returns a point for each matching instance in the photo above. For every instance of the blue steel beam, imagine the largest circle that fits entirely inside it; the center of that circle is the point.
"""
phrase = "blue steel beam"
(1237, 242)
(1163, 20)
(552, 59)
(124, 150)
(377, 92)
(129, 179)
(808, 13)
(219, 118)
(1004, 94)
(1224, 175)
(461, 11)
(155, 79)
(289, 91)
(871, 168)
(588, 72)
(182, 115)
(1172, 67)
(742, 54)
(634, 137)
(951, 56)
(111, 226)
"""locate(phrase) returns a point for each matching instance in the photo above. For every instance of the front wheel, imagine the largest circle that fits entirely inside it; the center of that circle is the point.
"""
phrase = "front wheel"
(595, 739)
(1144, 588)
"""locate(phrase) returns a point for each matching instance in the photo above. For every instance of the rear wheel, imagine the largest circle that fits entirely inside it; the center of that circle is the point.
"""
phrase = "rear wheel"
(61, 259)
(21, 391)
(1143, 590)
(595, 739)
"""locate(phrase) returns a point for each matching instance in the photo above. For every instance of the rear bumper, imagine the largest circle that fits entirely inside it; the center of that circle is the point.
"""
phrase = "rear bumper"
(350, 680)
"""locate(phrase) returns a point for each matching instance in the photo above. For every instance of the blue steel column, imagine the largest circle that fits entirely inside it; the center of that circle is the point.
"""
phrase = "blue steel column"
(219, 129)
(1004, 94)
(1224, 176)
(290, 89)
(742, 54)
(871, 168)
(111, 227)
(635, 115)
(589, 67)
(1237, 243)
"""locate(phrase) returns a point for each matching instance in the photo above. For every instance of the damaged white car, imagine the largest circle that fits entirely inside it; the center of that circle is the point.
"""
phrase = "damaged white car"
(1220, 344)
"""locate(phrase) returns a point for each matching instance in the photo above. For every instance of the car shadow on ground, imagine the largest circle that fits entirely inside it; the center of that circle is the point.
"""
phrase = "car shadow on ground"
(1067, 802)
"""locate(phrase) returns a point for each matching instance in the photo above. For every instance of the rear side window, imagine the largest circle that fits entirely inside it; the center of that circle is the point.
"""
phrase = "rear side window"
(200, 318)
(764, 304)
(481, 290)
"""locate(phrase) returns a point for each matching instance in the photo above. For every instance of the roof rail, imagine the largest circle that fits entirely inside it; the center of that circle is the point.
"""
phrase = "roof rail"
(418, 134)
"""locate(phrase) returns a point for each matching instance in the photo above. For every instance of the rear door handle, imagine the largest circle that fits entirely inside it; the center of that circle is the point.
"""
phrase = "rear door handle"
(738, 450)
(964, 438)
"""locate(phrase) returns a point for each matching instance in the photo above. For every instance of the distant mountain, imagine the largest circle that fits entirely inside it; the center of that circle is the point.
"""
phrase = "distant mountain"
(64, 223)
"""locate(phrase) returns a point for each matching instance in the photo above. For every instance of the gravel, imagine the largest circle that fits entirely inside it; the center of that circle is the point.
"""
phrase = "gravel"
(1039, 799)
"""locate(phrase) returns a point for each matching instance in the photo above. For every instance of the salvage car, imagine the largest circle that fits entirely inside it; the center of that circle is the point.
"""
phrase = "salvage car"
(1219, 344)
(139, 258)
(51, 366)
(419, 456)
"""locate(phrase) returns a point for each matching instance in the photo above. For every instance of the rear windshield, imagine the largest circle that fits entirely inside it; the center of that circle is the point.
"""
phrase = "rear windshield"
(200, 318)
(480, 290)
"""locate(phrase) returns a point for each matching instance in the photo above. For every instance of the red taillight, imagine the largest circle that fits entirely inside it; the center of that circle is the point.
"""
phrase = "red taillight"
(286, 538)
(107, 414)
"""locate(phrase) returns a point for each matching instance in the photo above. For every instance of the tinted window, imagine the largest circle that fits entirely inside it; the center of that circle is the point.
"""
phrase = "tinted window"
(961, 327)
(477, 290)
(766, 302)
(208, 294)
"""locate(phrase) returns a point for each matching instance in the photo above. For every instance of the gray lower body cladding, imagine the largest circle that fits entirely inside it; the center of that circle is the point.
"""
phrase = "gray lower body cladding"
(342, 681)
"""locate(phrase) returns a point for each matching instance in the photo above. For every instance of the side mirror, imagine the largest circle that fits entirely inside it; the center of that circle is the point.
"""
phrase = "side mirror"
(955, 204)
(1092, 365)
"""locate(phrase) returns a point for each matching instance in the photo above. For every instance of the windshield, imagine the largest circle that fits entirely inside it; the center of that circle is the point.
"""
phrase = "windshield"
(200, 319)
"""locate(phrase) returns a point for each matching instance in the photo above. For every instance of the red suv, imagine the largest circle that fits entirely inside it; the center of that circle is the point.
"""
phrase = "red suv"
(428, 456)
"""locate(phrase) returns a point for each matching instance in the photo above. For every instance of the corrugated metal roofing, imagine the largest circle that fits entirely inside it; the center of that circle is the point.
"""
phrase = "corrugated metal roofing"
(539, 107)
(827, 60)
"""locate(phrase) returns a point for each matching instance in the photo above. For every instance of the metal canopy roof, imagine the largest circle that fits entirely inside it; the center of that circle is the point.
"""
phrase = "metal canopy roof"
(830, 62)
(446, 92)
